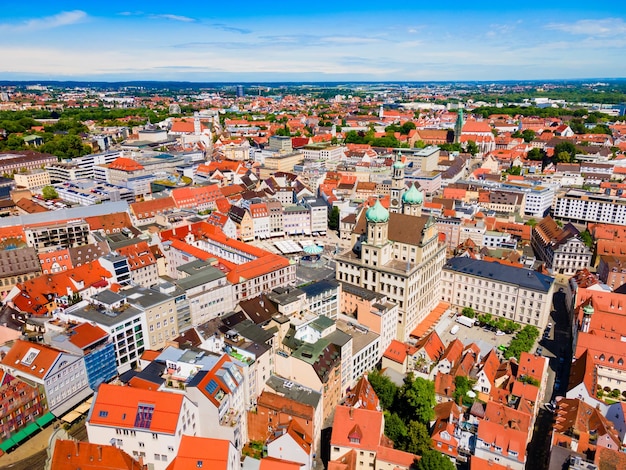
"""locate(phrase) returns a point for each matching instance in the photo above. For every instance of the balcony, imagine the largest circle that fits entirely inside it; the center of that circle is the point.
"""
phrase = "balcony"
(230, 419)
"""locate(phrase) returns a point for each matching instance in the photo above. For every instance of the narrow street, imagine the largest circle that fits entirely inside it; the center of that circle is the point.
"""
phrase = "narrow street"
(557, 347)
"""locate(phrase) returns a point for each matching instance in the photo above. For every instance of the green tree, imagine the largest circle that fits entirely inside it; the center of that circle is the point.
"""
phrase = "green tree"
(433, 460)
(14, 142)
(472, 148)
(385, 389)
(531, 222)
(284, 131)
(514, 170)
(407, 127)
(468, 312)
(333, 218)
(417, 397)
(49, 192)
(485, 319)
(462, 385)
(564, 157)
(528, 135)
(417, 438)
(565, 147)
(536, 154)
(395, 429)
(587, 238)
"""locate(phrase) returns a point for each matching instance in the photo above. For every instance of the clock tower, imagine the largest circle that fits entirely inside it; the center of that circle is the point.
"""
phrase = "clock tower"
(397, 185)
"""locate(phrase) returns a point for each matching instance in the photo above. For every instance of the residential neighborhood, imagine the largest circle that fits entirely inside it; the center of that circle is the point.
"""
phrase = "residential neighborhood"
(292, 280)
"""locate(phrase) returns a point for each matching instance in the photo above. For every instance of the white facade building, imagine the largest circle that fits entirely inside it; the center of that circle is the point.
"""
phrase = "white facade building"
(145, 424)
(518, 294)
(583, 206)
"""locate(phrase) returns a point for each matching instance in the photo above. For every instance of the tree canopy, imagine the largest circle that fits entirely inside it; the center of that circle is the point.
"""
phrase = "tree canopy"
(49, 192)
(417, 396)
(433, 460)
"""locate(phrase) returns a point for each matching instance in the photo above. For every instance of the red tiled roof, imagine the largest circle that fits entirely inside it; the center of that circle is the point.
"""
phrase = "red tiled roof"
(86, 334)
(138, 255)
(77, 455)
(396, 351)
(39, 366)
(109, 222)
(370, 428)
(148, 209)
(125, 164)
(201, 452)
(432, 318)
(108, 410)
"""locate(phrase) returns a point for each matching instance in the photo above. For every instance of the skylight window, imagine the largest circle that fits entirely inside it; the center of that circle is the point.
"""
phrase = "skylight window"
(144, 416)
(30, 356)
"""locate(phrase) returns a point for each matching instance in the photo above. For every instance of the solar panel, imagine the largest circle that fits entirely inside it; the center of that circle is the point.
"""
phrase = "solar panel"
(211, 387)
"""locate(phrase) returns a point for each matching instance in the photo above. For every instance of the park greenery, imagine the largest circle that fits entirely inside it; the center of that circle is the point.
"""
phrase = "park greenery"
(408, 410)
(369, 137)
(523, 342)
(488, 320)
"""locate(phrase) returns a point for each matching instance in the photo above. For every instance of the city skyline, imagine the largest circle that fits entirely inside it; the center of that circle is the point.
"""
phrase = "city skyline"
(345, 41)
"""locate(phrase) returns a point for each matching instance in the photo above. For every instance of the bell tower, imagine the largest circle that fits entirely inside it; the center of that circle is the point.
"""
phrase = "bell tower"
(397, 185)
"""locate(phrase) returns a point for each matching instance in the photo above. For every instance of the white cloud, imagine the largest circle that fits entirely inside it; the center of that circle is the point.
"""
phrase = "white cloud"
(183, 19)
(65, 18)
(603, 27)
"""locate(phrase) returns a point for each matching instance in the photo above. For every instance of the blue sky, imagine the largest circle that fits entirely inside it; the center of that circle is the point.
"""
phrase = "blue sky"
(327, 41)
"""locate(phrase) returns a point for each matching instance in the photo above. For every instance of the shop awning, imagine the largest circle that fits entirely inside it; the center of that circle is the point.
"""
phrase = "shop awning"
(71, 417)
(8, 444)
(45, 419)
(25, 432)
(83, 408)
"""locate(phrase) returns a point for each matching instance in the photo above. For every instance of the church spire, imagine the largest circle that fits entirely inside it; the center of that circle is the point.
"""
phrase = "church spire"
(458, 126)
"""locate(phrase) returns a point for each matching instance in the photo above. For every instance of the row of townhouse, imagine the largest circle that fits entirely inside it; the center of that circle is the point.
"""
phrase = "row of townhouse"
(499, 426)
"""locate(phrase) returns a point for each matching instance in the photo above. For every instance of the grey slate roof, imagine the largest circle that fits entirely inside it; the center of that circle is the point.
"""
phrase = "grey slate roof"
(524, 278)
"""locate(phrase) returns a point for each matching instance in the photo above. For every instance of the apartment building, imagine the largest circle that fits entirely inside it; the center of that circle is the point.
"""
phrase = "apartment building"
(518, 294)
(146, 424)
(61, 234)
(33, 180)
(62, 375)
(17, 266)
(220, 395)
(584, 206)
(250, 270)
(562, 249)
(323, 298)
(141, 262)
(260, 220)
(207, 291)
(22, 403)
(125, 324)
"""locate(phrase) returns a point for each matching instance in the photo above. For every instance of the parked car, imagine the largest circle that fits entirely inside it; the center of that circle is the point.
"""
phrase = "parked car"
(500, 333)
(549, 327)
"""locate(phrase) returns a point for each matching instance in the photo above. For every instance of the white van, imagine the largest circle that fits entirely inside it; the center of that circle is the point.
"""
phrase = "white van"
(455, 329)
